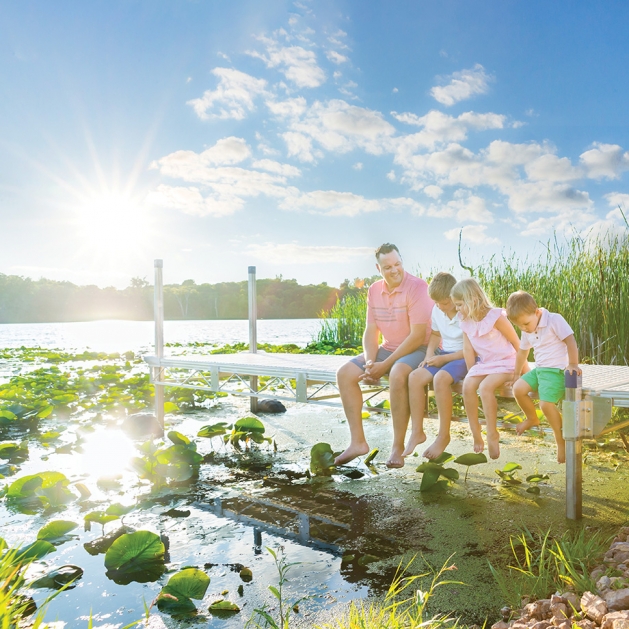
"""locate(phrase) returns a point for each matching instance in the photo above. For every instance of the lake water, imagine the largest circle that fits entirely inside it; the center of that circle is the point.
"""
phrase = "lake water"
(138, 336)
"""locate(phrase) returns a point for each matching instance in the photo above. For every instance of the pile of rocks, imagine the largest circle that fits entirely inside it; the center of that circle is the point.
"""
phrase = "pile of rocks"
(607, 608)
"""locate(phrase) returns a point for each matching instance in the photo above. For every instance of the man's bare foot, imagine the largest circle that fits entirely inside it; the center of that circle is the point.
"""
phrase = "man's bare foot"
(526, 424)
(561, 451)
(493, 446)
(437, 447)
(413, 441)
(395, 459)
(351, 453)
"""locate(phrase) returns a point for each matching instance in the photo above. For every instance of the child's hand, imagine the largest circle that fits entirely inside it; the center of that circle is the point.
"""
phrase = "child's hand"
(436, 361)
(570, 368)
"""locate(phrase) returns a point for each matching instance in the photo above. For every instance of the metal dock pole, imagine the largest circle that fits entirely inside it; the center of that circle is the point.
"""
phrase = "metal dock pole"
(253, 334)
(158, 372)
(572, 432)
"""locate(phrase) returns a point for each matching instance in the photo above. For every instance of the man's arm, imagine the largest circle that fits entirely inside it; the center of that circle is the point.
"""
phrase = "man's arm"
(412, 342)
(370, 341)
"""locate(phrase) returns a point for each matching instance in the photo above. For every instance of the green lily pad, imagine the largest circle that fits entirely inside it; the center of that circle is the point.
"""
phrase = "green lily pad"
(534, 489)
(187, 584)
(119, 510)
(224, 606)
(56, 529)
(537, 478)
(322, 459)
(100, 517)
(135, 557)
(249, 424)
(36, 550)
(450, 473)
(443, 458)
(511, 467)
(471, 458)
(59, 578)
(429, 479)
(178, 439)
(364, 560)
(214, 430)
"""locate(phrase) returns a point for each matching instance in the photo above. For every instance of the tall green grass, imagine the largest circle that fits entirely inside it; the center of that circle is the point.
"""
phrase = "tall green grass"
(344, 324)
(584, 279)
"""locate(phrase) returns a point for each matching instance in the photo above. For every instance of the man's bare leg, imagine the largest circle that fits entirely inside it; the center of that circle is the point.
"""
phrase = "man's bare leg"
(470, 399)
(487, 391)
(417, 382)
(521, 390)
(347, 378)
(443, 395)
(400, 411)
(552, 414)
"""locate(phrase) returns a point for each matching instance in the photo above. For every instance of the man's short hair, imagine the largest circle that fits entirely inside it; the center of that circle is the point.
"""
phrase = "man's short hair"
(387, 247)
(520, 303)
(440, 286)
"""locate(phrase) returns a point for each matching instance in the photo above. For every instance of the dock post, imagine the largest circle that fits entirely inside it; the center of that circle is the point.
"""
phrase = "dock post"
(158, 373)
(253, 334)
(574, 440)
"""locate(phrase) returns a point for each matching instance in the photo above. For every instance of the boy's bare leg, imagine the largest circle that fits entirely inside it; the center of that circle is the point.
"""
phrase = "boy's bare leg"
(470, 399)
(417, 382)
(347, 378)
(443, 395)
(552, 414)
(400, 411)
(521, 390)
(487, 391)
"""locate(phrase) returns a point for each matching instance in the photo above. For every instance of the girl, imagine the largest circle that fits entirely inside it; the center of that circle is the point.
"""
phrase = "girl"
(490, 344)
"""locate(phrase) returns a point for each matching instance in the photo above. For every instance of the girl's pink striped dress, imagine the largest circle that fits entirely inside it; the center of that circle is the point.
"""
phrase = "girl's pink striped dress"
(495, 353)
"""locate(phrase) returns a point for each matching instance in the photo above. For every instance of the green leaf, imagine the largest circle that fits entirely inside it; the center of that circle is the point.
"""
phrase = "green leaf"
(471, 458)
(36, 550)
(45, 412)
(178, 439)
(275, 592)
(214, 430)
(189, 582)
(450, 473)
(56, 529)
(429, 466)
(170, 407)
(321, 459)
(537, 478)
(66, 398)
(511, 467)
(134, 552)
(7, 415)
(27, 485)
(367, 559)
(7, 450)
(371, 456)
(429, 479)
(249, 424)
(534, 489)
(172, 604)
(117, 509)
(100, 516)
(224, 606)
(59, 578)
(443, 458)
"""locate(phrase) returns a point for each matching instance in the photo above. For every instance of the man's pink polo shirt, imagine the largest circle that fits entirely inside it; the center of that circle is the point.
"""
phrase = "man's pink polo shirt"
(394, 312)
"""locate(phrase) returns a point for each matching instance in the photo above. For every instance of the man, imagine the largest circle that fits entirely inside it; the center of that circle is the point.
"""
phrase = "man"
(399, 308)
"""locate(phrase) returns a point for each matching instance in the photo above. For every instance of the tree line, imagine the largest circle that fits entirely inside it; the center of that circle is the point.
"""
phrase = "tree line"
(24, 300)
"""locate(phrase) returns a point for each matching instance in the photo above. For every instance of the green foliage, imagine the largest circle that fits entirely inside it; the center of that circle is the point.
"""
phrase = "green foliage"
(135, 556)
(187, 584)
(433, 471)
(247, 430)
(322, 459)
(543, 564)
(344, 324)
(39, 491)
(56, 529)
(214, 430)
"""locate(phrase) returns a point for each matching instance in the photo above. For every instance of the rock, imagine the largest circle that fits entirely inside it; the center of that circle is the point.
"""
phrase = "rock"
(542, 624)
(561, 624)
(506, 612)
(594, 607)
(270, 406)
(584, 624)
(597, 573)
(556, 598)
(559, 610)
(500, 625)
(572, 601)
(140, 425)
(621, 557)
(520, 624)
(536, 610)
(603, 583)
(620, 546)
(616, 620)
(617, 599)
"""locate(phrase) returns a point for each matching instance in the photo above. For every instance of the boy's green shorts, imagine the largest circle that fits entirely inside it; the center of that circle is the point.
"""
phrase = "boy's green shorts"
(548, 382)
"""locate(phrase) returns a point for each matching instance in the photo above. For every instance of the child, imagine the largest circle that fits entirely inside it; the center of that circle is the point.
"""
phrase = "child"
(490, 344)
(446, 366)
(555, 350)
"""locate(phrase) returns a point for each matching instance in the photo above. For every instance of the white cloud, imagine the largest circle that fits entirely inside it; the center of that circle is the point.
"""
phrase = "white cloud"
(336, 57)
(275, 167)
(289, 108)
(472, 233)
(471, 208)
(289, 253)
(299, 146)
(552, 168)
(395, 90)
(190, 200)
(544, 196)
(616, 199)
(295, 62)
(566, 222)
(462, 85)
(333, 203)
(358, 166)
(605, 161)
(233, 98)
(391, 175)
(434, 192)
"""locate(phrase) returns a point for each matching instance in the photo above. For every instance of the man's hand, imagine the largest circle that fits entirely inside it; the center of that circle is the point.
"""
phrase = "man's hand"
(373, 372)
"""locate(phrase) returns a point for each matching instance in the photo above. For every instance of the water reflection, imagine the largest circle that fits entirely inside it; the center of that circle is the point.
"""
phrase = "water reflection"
(105, 452)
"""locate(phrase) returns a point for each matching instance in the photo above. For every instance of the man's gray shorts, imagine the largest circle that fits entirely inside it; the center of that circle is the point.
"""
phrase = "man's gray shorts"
(412, 360)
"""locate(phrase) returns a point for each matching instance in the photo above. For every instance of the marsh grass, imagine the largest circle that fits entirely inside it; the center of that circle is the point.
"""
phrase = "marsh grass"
(544, 565)
(344, 324)
(399, 610)
(585, 280)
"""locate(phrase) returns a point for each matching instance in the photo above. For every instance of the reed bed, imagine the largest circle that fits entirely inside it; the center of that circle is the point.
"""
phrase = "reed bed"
(344, 324)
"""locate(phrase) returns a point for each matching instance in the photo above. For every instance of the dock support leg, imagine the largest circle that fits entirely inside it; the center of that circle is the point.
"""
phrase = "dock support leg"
(573, 434)
(253, 334)
(158, 309)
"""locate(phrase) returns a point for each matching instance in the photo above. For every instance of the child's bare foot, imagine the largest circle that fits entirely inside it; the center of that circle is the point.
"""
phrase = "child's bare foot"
(395, 460)
(414, 440)
(351, 453)
(561, 451)
(493, 446)
(526, 424)
(479, 445)
(437, 447)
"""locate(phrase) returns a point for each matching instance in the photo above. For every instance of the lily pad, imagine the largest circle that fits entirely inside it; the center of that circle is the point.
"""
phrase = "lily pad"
(246, 574)
(511, 467)
(249, 424)
(59, 578)
(178, 439)
(533, 489)
(100, 517)
(119, 510)
(371, 456)
(135, 557)
(56, 529)
(214, 430)
(537, 478)
(471, 458)
(175, 597)
(322, 459)
(36, 550)
(443, 458)
(224, 607)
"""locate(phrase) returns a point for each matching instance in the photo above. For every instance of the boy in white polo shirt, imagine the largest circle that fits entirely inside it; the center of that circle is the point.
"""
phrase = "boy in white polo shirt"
(443, 366)
(555, 348)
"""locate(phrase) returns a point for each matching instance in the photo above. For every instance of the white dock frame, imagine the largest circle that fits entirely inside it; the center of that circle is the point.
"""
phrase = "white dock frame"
(311, 379)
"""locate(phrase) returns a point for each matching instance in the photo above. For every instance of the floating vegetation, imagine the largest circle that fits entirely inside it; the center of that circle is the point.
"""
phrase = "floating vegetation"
(135, 556)
(39, 491)
(432, 471)
(176, 597)
(469, 459)
(322, 459)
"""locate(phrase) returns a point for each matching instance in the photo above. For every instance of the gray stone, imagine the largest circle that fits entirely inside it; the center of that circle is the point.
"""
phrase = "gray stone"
(500, 625)
(597, 573)
(616, 620)
(594, 607)
(621, 557)
(616, 546)
(561, 624)
(271, 406)
(584, 624)
(542, 624)
(559, 610)
(603, 583)
(617, 599)
(572, 600)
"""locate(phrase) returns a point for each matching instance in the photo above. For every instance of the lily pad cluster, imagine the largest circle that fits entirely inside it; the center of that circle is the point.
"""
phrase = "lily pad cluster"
(508, 477)
(436, 477)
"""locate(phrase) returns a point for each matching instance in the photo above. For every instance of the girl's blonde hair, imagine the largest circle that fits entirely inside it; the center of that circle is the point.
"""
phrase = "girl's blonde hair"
(471, 294)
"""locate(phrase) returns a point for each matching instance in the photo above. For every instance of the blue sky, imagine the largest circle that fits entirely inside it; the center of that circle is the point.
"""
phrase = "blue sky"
(298, 136)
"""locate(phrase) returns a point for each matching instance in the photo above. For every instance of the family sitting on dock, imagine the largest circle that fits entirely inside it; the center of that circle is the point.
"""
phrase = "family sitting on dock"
(445, 333)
